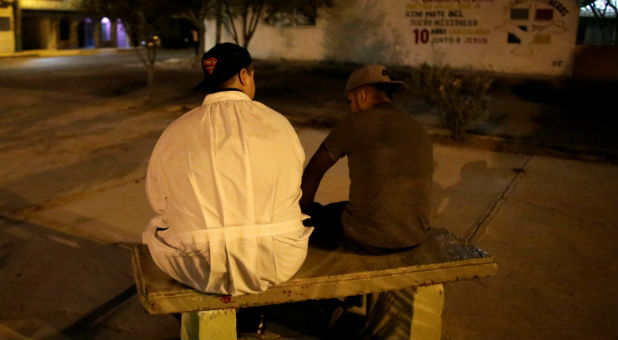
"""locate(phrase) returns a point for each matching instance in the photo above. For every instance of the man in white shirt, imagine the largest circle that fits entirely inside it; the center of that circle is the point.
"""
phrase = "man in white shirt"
(224, 181)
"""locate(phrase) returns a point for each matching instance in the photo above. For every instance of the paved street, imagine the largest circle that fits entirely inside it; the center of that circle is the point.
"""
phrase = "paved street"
(74, 145)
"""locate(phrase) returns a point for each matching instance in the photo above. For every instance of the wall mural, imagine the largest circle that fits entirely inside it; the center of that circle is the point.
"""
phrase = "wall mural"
(446, 22)
(533, 22)
(493, 29)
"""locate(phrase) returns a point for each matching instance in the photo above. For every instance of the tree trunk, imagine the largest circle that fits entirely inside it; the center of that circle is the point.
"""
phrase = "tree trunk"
(219, 21)
(150, 81)
(201, 41)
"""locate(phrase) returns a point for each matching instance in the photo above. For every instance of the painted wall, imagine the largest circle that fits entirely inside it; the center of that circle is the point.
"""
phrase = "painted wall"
(534, 37)
(7, 38)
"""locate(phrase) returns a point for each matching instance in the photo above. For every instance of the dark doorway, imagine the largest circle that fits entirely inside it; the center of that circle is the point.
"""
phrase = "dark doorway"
(33, 37)
(85, 33)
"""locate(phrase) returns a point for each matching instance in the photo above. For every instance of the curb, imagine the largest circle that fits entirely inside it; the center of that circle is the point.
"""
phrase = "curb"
(504, 144)
(61, 53)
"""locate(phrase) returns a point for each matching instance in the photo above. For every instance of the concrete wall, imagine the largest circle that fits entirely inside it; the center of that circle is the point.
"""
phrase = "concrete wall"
(271, 42)
(596, 62)
(7, 38)
(535, 37)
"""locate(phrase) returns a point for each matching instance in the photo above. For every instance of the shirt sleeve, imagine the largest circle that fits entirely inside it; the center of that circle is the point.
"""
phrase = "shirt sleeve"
(341, 139)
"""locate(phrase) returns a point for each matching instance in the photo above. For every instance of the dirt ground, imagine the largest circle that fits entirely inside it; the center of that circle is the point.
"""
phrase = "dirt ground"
(566, 117)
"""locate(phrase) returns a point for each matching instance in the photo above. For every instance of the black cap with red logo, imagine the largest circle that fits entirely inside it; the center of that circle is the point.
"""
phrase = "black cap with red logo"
(221, 63)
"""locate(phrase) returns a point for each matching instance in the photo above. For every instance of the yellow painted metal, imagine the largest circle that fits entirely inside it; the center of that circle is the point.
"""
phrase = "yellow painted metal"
(207, 325)
(413, 313)
(389, 314)
(427, 313)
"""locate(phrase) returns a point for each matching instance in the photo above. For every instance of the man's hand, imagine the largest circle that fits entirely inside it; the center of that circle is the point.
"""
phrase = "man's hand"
(321, 161)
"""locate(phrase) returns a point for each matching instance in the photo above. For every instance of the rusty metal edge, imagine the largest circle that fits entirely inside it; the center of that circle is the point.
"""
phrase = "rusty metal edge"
(188, 300)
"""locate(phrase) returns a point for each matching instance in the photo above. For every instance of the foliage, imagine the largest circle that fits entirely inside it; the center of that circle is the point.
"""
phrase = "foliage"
(459, 99)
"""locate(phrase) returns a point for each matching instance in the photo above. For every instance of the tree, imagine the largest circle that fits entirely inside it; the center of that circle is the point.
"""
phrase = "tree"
(251, 12)
(600, 8)
(227, 11)
(142, 20)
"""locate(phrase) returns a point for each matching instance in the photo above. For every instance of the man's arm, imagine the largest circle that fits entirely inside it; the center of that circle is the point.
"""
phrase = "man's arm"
(321, 161)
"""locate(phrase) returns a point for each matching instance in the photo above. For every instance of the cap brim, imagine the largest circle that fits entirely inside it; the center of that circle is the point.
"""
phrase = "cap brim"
(398, 86)
(394, 85)
(201, 86)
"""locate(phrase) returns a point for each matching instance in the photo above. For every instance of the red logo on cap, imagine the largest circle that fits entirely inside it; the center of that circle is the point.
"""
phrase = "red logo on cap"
(209, 64)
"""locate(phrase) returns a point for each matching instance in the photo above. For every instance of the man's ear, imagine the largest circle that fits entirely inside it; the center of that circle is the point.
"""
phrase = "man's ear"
(243, 76)
(362, 95)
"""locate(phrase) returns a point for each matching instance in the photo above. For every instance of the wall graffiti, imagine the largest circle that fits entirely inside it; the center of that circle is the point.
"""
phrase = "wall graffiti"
(532, 37)
(446, 22)
(533, 23)
(526, 23)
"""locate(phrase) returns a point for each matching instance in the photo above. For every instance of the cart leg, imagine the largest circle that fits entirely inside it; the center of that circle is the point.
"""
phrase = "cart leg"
(214, 324)
(414, 313)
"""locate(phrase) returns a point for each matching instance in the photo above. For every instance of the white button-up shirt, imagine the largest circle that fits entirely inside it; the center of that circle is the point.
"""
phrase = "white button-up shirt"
(224, 181)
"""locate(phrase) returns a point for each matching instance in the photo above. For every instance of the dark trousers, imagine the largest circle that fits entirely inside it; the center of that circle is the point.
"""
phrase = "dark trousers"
(329, 234)
(326, 220)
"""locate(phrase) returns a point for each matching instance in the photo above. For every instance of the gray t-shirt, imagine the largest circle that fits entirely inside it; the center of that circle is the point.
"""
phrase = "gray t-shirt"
(391, 166)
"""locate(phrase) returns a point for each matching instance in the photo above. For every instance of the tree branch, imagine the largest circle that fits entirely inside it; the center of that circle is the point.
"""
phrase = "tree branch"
(255, 18)
(190, 15)
(245, 13)
(231, 22)
(253, 22)
(141, 56)
(595, 11)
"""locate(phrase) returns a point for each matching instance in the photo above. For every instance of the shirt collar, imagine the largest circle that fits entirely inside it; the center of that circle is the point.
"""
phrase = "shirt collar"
(224, 95)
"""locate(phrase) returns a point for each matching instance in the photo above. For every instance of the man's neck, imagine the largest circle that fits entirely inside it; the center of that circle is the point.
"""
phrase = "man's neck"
(378, 102)
(226, 89)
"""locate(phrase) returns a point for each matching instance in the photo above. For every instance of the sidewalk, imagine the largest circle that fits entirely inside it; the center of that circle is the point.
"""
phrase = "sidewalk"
(45, 53)
(72, 202)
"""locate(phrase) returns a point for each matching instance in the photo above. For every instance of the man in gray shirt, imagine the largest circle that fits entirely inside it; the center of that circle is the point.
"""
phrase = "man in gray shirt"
(391, 165)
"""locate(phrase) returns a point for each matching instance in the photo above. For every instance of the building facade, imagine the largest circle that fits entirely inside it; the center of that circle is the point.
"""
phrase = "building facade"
(56, 24)
(531, 37)
(7, 22)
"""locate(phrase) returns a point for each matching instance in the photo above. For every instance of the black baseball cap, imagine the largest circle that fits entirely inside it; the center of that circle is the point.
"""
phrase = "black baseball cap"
(221, 63)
